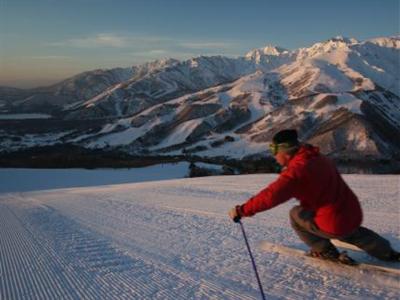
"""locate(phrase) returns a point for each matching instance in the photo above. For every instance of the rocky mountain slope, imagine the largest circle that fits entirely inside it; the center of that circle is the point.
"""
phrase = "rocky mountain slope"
(341, 94)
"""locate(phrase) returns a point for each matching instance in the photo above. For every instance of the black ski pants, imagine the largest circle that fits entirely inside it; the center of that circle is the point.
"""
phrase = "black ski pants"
(303, 223)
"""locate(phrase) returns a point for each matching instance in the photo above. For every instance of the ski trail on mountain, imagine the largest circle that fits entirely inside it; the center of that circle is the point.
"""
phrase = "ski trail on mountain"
(171, 240)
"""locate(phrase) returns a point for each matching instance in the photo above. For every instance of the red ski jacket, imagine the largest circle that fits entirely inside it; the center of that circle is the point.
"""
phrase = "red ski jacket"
(314, 180)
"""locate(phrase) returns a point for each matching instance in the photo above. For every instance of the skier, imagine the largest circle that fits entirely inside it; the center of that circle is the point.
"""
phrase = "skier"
(328, 207)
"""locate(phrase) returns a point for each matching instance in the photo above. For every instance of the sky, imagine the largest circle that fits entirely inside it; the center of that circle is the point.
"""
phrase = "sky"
(44, 41)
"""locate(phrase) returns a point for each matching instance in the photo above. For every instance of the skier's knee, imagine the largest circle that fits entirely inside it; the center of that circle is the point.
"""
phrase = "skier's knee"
(294, 215)
(294, 212)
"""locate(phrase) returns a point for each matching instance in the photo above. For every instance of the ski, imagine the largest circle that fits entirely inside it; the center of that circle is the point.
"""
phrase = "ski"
(363, 266)
(346, 246)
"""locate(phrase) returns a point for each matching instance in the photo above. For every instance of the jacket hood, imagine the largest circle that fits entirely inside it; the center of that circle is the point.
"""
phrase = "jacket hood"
(305, 152)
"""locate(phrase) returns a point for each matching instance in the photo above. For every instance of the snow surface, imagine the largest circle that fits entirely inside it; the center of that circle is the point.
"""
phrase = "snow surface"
(15, 142)
(173, 240)
(180, 133)
(21, 180)
(124, 137)
(208, 166)
(344, 100)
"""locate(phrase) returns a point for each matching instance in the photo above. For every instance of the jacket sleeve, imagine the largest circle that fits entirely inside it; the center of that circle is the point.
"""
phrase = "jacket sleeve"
(279, 191)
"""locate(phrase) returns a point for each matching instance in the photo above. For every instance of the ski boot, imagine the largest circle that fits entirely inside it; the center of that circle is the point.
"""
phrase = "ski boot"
(394, 256)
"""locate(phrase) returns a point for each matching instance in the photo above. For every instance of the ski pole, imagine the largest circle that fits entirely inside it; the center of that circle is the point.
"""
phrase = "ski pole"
(237, 220)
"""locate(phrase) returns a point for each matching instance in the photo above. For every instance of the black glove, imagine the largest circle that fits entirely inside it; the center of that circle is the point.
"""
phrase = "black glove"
(235, 214)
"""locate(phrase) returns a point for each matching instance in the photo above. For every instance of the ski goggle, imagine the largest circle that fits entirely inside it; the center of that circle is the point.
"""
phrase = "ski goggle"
(274, 148)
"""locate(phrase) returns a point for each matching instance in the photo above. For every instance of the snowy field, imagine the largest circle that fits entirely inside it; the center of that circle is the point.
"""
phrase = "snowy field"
(173, 240)
(22, 180)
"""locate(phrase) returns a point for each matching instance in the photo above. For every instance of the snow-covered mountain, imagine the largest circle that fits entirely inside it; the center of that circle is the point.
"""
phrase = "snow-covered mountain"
(169, 80)
(341, 94)
(72, 91)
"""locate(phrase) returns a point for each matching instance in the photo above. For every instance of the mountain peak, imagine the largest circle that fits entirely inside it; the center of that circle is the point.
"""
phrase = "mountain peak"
(342, 39)
(339, 43)
(388, 42)
(159, 63)
(273, 50)
(267, 50)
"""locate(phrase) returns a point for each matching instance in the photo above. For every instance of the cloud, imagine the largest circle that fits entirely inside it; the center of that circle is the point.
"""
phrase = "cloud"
(50, 57)
(143, 48)
(206, 45)
(142, 42)
(99, 40)
(157, 51)
(151, 53)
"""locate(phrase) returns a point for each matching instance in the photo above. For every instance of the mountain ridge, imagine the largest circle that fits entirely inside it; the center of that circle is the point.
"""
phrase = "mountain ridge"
(341, 94)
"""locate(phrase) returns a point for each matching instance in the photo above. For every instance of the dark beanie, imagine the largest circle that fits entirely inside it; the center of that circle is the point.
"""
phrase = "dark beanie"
(288, 136)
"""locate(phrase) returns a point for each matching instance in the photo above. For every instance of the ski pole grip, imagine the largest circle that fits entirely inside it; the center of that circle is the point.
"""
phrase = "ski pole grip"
(238, 216)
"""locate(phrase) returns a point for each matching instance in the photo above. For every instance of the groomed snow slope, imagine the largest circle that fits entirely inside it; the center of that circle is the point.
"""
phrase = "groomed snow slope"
(173, 240)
